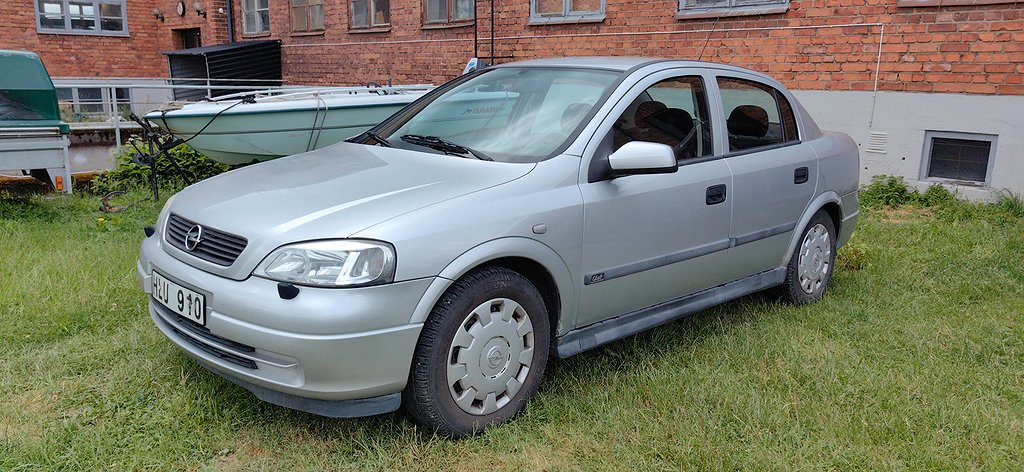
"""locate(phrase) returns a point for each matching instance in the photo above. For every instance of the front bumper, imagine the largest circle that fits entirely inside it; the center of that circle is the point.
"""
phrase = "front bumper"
(333, 352)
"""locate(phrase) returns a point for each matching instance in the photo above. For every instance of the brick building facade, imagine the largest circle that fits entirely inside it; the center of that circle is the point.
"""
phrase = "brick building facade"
(895, 74)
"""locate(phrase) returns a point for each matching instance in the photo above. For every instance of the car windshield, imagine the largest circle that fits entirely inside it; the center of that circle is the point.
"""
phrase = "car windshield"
(503, 114)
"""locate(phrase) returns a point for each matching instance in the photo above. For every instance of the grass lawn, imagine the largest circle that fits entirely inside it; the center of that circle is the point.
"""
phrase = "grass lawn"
(914, 360)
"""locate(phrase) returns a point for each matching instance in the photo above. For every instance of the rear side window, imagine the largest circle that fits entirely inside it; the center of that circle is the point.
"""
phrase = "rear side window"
(756, 115)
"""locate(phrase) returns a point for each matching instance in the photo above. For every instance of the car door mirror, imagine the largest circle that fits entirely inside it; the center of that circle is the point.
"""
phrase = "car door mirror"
(639, 157)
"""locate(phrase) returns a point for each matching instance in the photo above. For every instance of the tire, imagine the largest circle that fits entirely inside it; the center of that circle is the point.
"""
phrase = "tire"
(816, 249)
(472, 368)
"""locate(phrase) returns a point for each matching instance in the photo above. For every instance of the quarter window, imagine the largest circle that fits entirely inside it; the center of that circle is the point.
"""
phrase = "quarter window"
(370, 13)
(719, 8)
(566, 11)
(307, 15)
(447, 11)
(672, 112)
(100, 17)
(962, 157)
(255, 16)
(756, 115)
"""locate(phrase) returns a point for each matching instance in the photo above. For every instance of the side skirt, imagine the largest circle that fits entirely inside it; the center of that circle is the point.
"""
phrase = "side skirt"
(602, 332)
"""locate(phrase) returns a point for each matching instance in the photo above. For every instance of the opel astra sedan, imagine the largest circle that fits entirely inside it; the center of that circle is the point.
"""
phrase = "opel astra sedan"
(517, 213)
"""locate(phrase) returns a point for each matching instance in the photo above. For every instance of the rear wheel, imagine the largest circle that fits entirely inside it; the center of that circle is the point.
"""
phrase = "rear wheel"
(481, 354)
(810, 268)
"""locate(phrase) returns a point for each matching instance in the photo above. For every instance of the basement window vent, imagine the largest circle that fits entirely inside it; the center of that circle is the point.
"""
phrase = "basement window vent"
(877, 142)
(962, 158)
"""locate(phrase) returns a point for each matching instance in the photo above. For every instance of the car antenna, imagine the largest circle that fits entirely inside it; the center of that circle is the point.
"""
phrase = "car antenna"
(708, 38)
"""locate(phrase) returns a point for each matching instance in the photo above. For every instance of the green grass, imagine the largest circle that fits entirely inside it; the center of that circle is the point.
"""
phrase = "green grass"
(914, 360)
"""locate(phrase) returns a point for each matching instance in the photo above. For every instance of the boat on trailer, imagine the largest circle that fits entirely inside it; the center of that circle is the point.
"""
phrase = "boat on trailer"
(259, 126)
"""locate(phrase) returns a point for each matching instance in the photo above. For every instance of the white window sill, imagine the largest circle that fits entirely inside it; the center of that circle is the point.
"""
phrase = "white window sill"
(122, 34)
(724, 12)
(566, 20)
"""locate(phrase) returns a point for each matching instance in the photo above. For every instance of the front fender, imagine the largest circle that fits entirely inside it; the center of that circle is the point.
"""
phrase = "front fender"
(479, 255)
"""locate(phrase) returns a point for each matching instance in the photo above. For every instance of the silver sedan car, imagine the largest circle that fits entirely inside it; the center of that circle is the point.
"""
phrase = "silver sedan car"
(517, 213)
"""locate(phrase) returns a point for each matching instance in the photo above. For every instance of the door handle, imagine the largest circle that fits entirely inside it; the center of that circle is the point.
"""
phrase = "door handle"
(800, 175)
(715, 194)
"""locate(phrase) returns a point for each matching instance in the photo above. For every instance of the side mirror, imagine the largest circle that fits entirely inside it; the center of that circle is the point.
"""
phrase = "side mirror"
(640, 157)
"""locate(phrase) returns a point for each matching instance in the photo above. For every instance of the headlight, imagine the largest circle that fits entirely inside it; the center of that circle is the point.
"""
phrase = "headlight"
(337, 263)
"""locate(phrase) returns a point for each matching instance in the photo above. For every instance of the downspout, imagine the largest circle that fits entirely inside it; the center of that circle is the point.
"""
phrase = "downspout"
(231, 22)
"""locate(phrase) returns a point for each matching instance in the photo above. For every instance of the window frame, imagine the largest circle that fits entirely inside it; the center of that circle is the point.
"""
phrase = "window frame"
(926, 157)
(731, 9)
(66, 15)
(370, 25)
(567, 15)
(307, 8)
(427, 23)
(260, 28)
(110, 103)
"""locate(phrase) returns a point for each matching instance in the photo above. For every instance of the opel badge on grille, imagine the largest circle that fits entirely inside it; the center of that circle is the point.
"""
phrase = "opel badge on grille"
(193, 237)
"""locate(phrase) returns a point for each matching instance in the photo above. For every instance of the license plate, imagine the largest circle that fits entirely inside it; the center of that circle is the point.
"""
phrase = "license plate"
(187, 303)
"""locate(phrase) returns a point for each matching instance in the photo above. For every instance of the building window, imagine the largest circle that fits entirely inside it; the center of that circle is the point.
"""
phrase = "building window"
(448, 11)
(100, 17)
(566, 11)
(370, 13)
(255, 16)
(307, 15)
(89, 104)
(719, 8)
(964, 158)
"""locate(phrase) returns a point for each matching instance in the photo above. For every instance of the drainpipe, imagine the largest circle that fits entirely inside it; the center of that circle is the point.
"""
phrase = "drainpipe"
(231, 22)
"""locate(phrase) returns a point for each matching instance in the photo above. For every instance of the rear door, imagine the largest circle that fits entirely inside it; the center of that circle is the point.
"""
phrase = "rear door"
(774, 173)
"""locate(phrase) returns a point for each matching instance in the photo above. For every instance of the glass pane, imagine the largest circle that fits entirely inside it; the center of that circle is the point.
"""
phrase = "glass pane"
(249, 21)
(123, 94)
(359, 16)
(672, 112)
(81, 9)
(462, 9)
(381, 13)
(51, 7)
(298, 2)
(264, 21)
(63, 94)
(961, 159)
(437, 10)
(316, 17)
(550, 7)
(111, 24)
(248, 5)
(752, 114)
(700, 4)
(51, 21)
(585, 5)
(299, 18)
(85, 24)
(90, 100)
(264, 4)
(110, 9)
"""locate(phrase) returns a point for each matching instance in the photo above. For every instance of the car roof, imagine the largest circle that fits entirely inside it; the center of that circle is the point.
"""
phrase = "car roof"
(618, 63)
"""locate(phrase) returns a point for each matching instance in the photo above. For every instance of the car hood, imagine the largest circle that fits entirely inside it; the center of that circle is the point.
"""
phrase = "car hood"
(332, 192)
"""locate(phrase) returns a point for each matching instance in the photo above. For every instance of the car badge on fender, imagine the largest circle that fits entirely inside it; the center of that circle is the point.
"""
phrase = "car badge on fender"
(193, 238)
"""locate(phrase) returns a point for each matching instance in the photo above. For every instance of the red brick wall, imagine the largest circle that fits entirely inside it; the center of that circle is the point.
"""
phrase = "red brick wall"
(137, 55)
(977, 49)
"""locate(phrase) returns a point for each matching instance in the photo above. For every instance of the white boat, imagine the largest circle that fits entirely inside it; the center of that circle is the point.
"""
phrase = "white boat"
(258, 126)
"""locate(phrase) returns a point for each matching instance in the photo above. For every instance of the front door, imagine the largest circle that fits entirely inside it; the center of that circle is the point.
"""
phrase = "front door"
(648, 239)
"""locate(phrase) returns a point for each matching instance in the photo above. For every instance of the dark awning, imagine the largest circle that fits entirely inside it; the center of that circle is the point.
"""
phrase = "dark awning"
(255, 64)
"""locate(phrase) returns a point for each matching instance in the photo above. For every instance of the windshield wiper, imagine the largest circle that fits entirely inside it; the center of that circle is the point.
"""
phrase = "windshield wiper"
(445, 146)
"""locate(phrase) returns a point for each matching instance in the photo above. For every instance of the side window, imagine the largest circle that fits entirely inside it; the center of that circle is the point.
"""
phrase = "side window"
(756, 114)
(672, 112)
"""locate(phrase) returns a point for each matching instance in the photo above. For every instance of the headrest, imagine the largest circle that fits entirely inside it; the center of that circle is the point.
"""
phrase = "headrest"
(748, 120)
(675, 122)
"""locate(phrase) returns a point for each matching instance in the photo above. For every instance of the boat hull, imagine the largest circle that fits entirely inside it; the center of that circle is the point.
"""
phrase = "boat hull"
(244, 137)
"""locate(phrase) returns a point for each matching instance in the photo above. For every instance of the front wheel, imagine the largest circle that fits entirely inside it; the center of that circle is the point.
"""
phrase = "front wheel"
(481, 354)
(810, 268)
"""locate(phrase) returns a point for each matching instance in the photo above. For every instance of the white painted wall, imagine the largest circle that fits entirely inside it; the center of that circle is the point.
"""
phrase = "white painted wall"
(907, 116)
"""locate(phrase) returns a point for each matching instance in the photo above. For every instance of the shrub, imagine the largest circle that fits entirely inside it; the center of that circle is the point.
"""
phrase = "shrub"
(128, 175)
(890, 191)
(1011, 203)
(851, 257)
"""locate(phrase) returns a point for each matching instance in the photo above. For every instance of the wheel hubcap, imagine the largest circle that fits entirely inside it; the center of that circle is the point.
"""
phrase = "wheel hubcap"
(815, 258)
(490, 356)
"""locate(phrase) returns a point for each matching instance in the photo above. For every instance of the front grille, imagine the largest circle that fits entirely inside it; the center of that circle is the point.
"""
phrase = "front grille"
(216, 246)
(179, 325)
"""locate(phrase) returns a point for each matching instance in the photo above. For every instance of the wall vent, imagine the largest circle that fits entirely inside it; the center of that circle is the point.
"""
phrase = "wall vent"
(877, 142)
